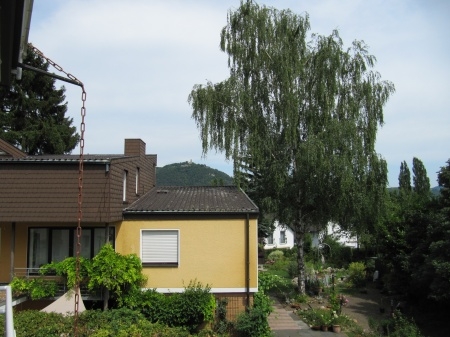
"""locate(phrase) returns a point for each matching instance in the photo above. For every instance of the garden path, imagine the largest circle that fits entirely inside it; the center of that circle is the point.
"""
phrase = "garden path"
(284, 322)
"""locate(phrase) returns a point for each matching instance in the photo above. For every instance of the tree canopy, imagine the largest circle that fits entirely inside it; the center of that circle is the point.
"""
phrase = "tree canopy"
(303, 111)
(32, 115)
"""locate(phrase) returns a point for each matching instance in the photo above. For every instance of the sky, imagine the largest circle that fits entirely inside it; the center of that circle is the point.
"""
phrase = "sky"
(139, 60)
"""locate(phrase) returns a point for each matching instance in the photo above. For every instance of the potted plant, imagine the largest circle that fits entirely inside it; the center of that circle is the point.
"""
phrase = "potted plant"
(337, 322)
(323, 318)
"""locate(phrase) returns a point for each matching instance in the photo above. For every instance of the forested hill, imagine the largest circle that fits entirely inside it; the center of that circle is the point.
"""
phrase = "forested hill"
(191, 174)
(435, 191)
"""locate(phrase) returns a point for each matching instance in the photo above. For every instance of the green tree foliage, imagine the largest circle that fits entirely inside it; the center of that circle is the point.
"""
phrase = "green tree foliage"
(420, 179)
(32, 115)
(438, 260)
(414, 239)
(302, 112)
(404, 178)
(118, 273)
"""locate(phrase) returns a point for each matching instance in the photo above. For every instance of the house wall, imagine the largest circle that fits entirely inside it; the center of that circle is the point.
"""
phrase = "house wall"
(21, 246)
(5, 249)
(47, 191)
(290, 238)
(146, 181)
(211, 251)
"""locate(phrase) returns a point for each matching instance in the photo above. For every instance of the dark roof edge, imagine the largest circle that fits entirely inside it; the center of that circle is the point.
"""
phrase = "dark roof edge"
(53, 161)
(251, 201)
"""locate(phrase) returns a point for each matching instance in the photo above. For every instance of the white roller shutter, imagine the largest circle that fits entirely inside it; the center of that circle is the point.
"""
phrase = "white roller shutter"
(160, 246)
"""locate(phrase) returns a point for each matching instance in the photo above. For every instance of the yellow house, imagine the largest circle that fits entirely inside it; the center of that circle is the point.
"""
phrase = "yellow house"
(207, 234)
(181, 234)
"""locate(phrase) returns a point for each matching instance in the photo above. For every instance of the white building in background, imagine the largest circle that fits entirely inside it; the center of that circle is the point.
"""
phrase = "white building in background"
(284, 237)
(343, 237)
(281, 238)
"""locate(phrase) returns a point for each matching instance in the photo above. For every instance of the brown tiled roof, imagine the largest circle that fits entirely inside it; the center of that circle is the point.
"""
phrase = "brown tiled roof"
(193, 199)
(9, 151)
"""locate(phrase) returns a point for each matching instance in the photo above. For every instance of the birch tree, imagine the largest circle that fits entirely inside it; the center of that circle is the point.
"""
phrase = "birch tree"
(301, 109)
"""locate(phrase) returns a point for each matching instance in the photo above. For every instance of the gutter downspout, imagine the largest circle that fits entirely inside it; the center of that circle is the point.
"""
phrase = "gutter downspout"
(247, 259)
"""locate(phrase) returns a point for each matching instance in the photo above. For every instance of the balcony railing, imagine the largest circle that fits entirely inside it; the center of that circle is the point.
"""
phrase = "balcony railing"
(86, 294)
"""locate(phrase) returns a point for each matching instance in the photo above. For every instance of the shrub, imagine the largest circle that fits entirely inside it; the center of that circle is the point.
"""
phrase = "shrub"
(222, 325)
(113, 320)
(34, 288)
(268, 282)
(149, 302)
(254, 322)
(276, 255)
(32, 323)
(398, 326)
(118, 273)
(292, 269)
(67, 269)
(357, 274)
(189, 309)
(192, 307)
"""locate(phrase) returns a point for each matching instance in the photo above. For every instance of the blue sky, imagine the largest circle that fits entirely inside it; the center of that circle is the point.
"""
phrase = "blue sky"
(139, 60)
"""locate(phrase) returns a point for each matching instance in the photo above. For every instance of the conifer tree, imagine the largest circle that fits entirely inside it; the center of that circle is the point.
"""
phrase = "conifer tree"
(404, 178)
(32, 115)
(420, 179)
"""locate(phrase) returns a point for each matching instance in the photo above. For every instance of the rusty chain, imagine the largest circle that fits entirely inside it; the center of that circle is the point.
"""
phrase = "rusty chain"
(80, 184)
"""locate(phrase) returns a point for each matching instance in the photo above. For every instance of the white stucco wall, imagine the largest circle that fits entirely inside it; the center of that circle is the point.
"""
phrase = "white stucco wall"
(343, 237)
(277, 241)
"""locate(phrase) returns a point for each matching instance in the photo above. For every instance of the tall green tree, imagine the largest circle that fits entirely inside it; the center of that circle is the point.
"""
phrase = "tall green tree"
(304, 111)
(404, 178)
(32, 115)
(439, 257)
(420, 179)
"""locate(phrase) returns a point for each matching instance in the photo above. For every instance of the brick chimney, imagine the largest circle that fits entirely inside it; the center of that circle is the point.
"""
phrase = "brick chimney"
(134, 147)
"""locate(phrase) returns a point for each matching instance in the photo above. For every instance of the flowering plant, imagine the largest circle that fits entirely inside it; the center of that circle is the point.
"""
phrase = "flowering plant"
(343, 300)
(324, 317)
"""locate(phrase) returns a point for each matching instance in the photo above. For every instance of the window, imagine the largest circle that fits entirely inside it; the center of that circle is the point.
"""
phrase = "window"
(270, 239)
(159, 247)
(47, 245)
(60, 244)
(125, 174)
(137, 180)
(283, 239)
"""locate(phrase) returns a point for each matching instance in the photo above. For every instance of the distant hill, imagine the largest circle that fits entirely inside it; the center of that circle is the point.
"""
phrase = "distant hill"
(191, 174)
(434, 190)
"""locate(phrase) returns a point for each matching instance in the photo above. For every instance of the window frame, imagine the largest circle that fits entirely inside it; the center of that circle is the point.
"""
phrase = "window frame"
(137, 180)
(72, 239)
(124, 186)
(283, 237)
(161, 263)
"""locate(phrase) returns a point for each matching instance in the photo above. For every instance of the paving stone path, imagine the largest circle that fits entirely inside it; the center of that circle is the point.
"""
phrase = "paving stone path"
(285, 323)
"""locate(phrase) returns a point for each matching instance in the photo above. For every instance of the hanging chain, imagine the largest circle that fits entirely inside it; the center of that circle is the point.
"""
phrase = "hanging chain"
(80, 184)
